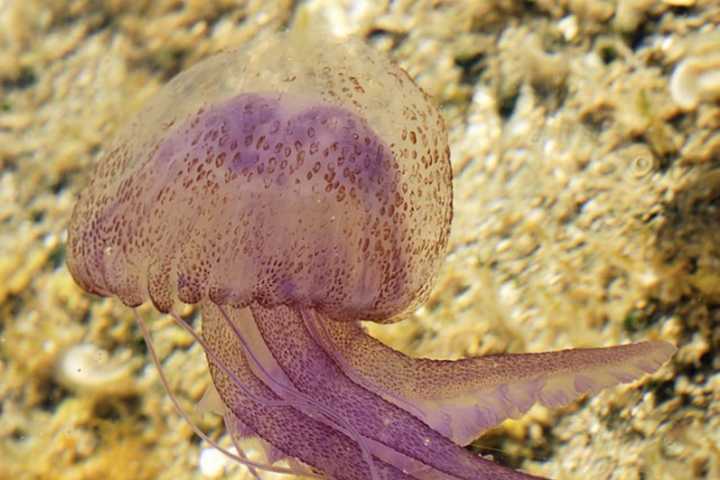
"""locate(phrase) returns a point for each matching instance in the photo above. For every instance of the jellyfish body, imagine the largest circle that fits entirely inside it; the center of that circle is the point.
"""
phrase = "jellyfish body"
(293, 189)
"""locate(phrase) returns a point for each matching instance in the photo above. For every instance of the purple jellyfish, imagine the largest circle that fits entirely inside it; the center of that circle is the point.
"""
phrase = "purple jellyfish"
(291, 190)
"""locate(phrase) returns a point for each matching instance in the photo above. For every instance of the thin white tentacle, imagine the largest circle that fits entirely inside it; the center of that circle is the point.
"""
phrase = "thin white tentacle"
(163, 379)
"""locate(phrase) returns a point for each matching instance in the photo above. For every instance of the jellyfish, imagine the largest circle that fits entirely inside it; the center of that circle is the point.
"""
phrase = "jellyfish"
(292, 189)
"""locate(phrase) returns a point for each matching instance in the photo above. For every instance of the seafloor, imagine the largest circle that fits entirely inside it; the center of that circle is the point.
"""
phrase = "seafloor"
(587, 195)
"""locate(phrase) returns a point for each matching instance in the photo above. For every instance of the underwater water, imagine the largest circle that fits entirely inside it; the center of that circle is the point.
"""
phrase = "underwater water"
(584, 148)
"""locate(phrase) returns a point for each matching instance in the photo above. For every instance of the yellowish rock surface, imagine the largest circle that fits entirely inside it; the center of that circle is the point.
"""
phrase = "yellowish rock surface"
(586, 214)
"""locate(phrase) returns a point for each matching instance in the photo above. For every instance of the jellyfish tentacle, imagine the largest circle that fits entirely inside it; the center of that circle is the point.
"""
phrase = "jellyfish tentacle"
(463, 398)
(265, 367)
(294, 400)
(238, 430)
(289, 397)
(211, 354)
(239, 457)
(394, 435)
(220, 369)
(294, 428)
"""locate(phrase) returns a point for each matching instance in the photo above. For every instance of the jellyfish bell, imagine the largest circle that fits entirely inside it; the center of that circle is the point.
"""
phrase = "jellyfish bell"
(323, 183)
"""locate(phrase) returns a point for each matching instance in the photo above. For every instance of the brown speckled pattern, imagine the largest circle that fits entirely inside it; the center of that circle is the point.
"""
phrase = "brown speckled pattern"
(328, 184)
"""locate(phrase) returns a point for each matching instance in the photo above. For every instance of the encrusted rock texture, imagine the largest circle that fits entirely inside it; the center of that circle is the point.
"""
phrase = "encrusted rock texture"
(586, 150)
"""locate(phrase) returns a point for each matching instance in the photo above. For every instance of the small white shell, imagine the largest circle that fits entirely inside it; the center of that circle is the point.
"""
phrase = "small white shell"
(89, 368)
(696, 79)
